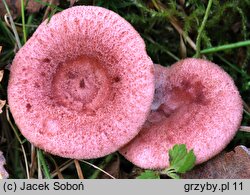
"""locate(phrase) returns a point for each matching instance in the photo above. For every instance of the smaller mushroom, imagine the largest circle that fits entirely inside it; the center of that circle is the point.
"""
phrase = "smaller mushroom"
(3, 172)
(196, 103)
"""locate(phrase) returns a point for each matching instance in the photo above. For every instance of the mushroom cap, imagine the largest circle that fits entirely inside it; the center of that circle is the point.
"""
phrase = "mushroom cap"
(82, 86)
(196, 103)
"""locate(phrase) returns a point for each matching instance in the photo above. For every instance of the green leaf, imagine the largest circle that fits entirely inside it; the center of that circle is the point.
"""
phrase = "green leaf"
(176, 154)
(181, 160)
(149, 175)
(173, 175)
(188, 162)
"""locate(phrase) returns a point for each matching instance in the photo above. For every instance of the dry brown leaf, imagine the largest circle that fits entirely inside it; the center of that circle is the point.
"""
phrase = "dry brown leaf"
(227, 165)
(3, 172)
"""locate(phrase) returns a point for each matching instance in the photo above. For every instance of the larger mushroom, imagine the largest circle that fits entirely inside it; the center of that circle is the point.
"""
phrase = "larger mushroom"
(82, 86)
(196, 103)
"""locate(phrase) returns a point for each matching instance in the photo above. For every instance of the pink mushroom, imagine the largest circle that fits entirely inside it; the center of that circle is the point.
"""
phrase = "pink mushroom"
(82, 86)
(196, 103)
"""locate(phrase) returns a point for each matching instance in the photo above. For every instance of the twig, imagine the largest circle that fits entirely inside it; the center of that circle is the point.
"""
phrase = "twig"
(245, 129)
(78, 169)
(96, 167)
(177, 27)
(60, 176)
(174, 22)
(33, 163)
(202, 27)
(62, 167)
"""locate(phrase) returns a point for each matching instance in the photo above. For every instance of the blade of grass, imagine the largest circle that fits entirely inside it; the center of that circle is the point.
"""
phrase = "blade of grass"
(162, 48)
(39, 171)
(201, 29)
(102, 166)
(23, 22)
(19, 140)
(44, 164)
(48, 9)
(234, 67)
(12, 24)
(99, 169)
(225, 47)
(18, 171)
(50, 5)
(6, 32)
(29, 24)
